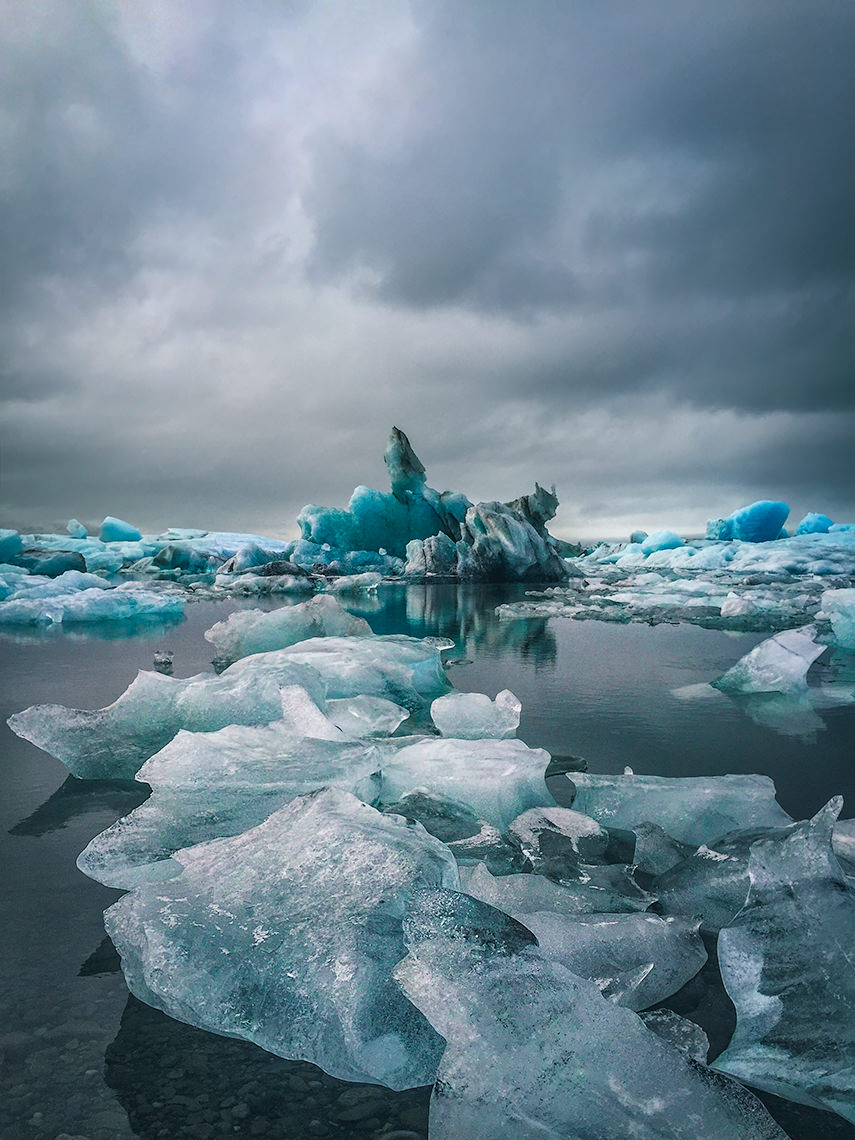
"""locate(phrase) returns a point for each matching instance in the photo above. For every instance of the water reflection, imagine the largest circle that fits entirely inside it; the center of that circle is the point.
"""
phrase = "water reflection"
(177, 1081)
(142, 628)
(77, 798)
(464, 613)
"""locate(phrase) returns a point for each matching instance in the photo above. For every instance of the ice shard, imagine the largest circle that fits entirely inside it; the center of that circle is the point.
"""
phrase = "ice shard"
(777, 665)
(287, 934)
(112, 743)
(555, 840)
(537, 1053)
(787, 963)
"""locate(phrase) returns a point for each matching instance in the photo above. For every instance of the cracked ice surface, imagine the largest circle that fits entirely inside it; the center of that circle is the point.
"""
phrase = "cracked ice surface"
(536, 1052)
(287, 934)
(786, 961)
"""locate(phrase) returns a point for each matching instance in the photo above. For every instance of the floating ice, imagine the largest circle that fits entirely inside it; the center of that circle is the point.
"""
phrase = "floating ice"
(254, 631)
(777, 665)
(50, 563)
(786, 961)
(111, 743)
(760, 522)
(473, 716)
(597, 890)
(286, 935)
(497, 779)
(608, 948)
(405, 670)
(117, 530)
(691, 809)
(438, 534)
(10, 544)
(535, 1052)
(661, 540)
(212, 784)
(814, 523)
(77, 598)
(76, 529)
(838, 607)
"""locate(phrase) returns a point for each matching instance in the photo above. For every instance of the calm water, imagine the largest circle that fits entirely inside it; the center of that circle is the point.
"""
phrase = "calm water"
(77, 1056)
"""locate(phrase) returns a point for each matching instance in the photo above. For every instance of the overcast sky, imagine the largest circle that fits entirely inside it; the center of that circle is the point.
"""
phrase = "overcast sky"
(610, 246)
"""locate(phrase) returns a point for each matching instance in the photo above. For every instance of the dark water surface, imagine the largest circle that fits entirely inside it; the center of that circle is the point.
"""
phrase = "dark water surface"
(79, 1057)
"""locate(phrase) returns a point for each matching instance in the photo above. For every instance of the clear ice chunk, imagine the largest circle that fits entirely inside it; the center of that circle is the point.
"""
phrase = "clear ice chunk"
(691, 809)
(777, 665)
(537, 1053)
(473, 716)
(497, 779)
(366, 716)
(656, 851)
(838, 608)
(255, 631)
(608, 948)
(787, 963)
(286, 935)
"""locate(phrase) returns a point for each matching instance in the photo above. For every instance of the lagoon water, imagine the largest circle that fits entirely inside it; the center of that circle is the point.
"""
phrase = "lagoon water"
(79, 1057)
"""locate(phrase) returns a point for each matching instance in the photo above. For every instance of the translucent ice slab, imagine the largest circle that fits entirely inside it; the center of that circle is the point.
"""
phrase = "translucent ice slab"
(254, 631)
(787, 963)
(777, 665)
(473, 716)
(691, 809)
(287, 934)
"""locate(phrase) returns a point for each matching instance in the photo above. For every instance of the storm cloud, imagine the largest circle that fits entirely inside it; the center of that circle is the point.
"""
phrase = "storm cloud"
(607, 246)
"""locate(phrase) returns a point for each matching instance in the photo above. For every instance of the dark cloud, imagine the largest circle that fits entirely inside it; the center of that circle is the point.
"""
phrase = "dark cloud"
(610, 246)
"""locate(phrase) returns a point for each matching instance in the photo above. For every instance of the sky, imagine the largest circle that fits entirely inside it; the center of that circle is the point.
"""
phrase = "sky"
(606, 246)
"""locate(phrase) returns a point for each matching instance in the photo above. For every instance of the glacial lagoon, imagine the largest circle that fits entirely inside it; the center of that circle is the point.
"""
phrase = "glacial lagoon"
(84, 1058)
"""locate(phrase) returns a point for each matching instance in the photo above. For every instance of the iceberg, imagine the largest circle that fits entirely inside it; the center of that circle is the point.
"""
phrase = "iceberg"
(786, 961)
(691, 809)
(253, 631)
(496, 779)
(759, 522)
(661, 540)
(80, 598)
(473, 716)
(814, 523)
(117, 530)
(537, 1053)
(286, 935)
(777, 665)
(439, 534)
(359, 717)
(11, 544)
(76, 529)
